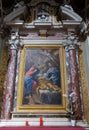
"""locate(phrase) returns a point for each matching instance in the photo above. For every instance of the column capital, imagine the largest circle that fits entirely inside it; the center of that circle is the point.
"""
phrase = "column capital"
(15, 41)
(71, 42)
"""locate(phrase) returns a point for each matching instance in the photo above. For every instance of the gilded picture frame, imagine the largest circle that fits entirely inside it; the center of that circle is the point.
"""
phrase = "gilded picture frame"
(42, 79)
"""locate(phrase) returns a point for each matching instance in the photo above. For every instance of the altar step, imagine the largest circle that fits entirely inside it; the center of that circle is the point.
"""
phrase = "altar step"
(47, 122)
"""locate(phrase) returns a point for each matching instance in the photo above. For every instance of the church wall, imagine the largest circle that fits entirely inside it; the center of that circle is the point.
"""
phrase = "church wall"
(86, 59)
(1, 47)
(3, 72)
(84, 80)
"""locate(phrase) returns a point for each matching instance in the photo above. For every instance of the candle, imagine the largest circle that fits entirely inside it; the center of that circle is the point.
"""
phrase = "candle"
(26, 123)
(41, 121)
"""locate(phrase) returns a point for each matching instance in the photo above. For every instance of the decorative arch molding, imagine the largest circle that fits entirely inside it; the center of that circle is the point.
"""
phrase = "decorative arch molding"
(16, 13)
(66, 12)
(70, 13)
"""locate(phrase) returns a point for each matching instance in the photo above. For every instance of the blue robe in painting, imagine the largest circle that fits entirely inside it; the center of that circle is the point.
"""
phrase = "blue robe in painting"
(28, 81)
(54, 76)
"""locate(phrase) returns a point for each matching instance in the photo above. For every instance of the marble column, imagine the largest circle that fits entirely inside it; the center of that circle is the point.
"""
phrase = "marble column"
(73, 77)
(10, 78)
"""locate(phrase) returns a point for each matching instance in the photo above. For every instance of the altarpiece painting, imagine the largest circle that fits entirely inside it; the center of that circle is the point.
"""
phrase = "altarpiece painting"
(42, 79)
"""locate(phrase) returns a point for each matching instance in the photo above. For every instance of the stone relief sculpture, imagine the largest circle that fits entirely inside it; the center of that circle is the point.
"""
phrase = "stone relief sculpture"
(43, 13)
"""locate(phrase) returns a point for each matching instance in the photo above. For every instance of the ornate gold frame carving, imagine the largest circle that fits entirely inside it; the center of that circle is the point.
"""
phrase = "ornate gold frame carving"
(42, 108)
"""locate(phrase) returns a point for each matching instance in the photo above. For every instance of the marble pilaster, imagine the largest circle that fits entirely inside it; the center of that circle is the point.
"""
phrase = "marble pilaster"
(73, 77)
(14, 42)
(9, 90)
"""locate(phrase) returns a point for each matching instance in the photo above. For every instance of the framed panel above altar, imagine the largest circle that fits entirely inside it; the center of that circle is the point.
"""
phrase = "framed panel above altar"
(42, 79)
